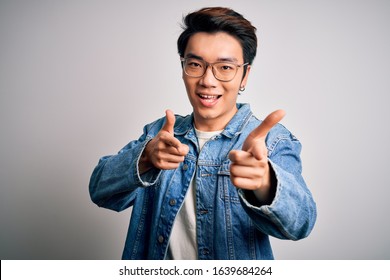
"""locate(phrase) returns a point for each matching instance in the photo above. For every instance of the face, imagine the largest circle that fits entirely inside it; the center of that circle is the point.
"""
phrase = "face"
(214, 101)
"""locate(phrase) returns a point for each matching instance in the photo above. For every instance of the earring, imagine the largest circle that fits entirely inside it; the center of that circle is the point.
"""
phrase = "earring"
(242, 88)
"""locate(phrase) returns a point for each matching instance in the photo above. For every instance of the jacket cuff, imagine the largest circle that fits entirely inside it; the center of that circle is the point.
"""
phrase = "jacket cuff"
(148, 178)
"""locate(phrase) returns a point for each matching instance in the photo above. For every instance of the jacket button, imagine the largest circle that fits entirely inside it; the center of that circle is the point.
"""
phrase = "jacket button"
(172, 202)
(205, 251)
(185, 167)
(161, 239)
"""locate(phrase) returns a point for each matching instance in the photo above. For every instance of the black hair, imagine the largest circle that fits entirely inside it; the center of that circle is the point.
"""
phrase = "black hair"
(219, 19)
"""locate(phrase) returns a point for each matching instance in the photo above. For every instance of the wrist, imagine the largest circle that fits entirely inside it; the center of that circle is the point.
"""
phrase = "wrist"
(265, 194)
(144, 163)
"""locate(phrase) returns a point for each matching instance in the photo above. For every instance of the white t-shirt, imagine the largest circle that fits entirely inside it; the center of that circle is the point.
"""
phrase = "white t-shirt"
(183, 242)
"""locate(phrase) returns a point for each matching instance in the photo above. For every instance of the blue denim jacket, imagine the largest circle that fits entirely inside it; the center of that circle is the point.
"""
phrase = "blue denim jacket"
(229, 225)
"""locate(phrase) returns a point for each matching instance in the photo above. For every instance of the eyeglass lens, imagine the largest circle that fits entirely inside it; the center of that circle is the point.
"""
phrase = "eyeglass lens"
(223, 71)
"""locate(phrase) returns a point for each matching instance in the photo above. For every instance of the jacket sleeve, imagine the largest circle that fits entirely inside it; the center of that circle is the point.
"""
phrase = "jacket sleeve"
(292, 213)
(116, 179)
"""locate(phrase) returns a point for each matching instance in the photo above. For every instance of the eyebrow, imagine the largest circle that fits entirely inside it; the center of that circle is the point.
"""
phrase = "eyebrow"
(220, 59)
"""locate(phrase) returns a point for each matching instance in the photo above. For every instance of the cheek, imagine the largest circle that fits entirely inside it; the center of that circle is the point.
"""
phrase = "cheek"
(237, 83)
(188, 83)
(232, 88)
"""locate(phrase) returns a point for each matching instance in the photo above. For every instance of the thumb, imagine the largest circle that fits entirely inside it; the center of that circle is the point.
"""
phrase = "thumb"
(169, 121)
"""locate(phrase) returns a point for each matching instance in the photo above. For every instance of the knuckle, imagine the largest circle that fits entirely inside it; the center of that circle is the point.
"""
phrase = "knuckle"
(234, 180)
(233, 156)
(159, 162)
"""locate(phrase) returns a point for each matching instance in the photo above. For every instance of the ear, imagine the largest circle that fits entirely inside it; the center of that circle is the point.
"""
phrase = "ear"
(245, 78)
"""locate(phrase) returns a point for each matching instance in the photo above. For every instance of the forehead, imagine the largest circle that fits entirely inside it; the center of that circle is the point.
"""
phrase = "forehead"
(214, 46)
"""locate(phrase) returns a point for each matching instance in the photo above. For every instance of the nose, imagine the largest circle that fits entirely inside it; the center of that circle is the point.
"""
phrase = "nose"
(208, 79)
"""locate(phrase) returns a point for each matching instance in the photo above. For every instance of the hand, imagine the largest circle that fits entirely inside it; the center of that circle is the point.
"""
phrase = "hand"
(164, 151)
(249, 168)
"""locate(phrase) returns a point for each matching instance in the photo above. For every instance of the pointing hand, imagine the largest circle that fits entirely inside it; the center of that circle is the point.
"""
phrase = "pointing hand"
(164, 151)
(249, 167)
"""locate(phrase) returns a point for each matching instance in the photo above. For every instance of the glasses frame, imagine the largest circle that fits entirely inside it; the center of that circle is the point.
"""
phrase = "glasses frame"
(183, 60)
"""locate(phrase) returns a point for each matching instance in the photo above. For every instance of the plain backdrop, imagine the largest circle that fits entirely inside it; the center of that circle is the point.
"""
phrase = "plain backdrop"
(80, 79)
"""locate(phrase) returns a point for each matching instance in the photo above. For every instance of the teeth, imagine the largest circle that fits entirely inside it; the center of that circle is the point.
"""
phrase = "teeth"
(208, 96)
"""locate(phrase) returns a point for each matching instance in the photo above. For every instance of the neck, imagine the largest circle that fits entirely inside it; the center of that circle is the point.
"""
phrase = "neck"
(212, 124)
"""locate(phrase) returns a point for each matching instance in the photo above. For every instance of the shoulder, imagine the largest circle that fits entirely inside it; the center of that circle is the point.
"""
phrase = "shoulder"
(181, 123)
(277, 135)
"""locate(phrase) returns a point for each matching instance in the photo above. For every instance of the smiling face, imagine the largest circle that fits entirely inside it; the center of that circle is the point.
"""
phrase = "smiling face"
(214, 101)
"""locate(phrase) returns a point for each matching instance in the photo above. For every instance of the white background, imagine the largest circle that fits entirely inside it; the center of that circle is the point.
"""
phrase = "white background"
(79, 79)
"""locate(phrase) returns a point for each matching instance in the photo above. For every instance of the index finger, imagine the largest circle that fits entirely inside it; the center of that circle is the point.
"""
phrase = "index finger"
(270, 121)
(169, 139)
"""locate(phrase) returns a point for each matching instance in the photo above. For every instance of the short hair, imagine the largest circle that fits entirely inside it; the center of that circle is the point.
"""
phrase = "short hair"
(219, 19)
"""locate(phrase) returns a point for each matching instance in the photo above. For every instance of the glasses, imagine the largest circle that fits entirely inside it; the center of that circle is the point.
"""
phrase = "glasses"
(222, 71)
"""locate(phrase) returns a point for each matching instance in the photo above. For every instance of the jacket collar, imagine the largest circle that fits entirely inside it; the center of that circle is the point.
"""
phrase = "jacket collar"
(233, 128)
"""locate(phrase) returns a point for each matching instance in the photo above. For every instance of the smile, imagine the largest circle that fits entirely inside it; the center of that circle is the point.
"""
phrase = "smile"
(208, 101)
(209, 97)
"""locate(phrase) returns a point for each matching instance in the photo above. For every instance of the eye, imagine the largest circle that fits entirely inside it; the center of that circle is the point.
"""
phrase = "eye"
(193, 63)
(226, 67)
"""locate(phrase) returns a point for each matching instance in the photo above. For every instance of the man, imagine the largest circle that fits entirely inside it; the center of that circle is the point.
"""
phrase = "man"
(214, 184)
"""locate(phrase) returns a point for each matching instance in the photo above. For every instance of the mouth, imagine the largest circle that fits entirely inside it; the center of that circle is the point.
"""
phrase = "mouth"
(209, 98)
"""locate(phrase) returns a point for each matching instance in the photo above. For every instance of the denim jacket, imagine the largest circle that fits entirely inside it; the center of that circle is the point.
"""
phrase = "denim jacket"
(229, 224)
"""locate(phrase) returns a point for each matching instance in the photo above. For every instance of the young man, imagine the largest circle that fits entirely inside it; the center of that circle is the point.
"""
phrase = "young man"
(214, 184)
